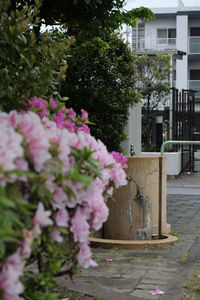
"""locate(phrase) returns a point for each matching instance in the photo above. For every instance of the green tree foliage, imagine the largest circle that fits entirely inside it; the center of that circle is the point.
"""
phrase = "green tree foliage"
(28, 67)
(100, 79)
(80, 13)
(152, 76)
(100, 76)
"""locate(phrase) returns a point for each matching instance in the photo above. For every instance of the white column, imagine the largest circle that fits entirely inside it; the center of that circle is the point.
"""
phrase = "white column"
(182, 45)
(133, 130)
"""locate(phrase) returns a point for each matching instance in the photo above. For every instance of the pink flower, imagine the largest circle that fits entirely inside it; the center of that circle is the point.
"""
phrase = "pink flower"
(62, 218)
(37, 103)
(54, 105)
(107, 259)
(12, 269)
(60, 198)
(10, 147)
(100, 215)
(43, 113)
(21, 163)
(120, 158)
(71, 113)
(59, 121)
(80, 226)
(118, 176)
(41, 219)
(69, 125)
(27, 243)
(84, 114)
(55, 235)
(84, 256)
(83, 128)
(13, 118)
(36, 138)
(157, 291)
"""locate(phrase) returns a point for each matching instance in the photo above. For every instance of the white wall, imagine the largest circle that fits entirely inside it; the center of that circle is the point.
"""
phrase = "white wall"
(152, 26)
(133, 130)
(173, 162)
(182, 44)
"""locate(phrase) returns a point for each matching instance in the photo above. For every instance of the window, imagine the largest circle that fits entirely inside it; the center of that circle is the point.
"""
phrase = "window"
(174, 75)
(162, 36)
(166, 36)
(172, 36)
(194, 31)
(195, 74)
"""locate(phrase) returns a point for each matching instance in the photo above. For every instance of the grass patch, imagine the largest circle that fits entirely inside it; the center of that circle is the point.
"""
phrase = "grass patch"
(174, 232)
(65, 293)
(192, 288)
(184, 257)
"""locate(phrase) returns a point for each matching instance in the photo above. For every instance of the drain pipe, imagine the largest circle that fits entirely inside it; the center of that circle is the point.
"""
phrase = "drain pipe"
(160, 177)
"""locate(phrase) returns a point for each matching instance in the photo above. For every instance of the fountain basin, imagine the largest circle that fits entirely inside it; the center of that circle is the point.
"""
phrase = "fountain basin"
(133, 245)
(134, 214)
(133, 218)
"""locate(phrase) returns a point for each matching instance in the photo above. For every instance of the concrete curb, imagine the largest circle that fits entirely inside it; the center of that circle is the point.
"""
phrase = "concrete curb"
(134, 245)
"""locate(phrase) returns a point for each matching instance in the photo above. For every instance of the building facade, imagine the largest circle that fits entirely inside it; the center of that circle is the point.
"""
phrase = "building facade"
(174, 31)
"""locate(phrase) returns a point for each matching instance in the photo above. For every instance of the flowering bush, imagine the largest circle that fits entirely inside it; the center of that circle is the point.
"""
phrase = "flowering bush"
(54, 181)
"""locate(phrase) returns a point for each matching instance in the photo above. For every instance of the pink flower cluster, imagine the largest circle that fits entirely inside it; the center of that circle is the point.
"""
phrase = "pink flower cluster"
(28, 141)
(120, 158)
(62, 116)
(12, 269)
(41, 219)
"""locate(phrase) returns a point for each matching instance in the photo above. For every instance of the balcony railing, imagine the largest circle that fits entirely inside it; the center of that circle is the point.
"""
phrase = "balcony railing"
(195, 85)
(158, 44)
(194, 45)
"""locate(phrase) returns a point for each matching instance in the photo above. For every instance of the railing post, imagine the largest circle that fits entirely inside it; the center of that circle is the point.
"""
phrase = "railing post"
(160, 198)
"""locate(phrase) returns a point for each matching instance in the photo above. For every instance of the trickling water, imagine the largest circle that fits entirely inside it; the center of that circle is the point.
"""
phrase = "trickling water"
(142, 234)
(144, 205)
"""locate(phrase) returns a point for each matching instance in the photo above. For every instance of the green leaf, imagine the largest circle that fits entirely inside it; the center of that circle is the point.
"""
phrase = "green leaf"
(64, 230)
(6, 202)
(109, 166)
(86, 180)
(64, 99)
(2, 249)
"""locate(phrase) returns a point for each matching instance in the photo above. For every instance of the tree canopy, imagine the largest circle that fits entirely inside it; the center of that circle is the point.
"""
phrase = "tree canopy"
(100, 78)
(99, 72)
(152, 75)
(28, 68)
(105, 13)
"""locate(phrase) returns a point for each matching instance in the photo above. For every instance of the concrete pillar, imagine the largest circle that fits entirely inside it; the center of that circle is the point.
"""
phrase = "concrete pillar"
(182, 45)
(133, 130)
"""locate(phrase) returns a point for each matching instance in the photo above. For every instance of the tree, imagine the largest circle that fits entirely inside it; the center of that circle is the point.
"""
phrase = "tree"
(100, 78)
(92, 23)
(79, 14)
(152, 81)
(27, 67)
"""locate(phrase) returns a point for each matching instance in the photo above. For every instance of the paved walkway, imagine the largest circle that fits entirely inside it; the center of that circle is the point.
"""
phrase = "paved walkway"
(133, 274)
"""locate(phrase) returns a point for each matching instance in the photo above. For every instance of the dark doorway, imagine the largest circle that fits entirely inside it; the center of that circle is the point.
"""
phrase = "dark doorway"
(186, 127)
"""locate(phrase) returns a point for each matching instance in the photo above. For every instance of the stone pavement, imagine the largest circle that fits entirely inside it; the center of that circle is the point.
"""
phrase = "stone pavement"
(133, 274)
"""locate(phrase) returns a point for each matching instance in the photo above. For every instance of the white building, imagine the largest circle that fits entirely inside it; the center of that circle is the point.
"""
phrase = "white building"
(174, 31)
